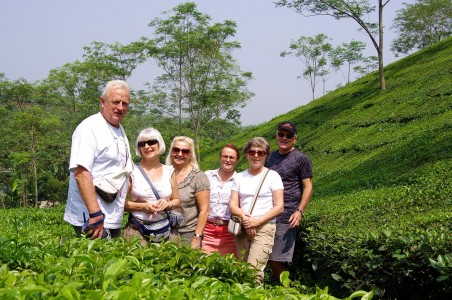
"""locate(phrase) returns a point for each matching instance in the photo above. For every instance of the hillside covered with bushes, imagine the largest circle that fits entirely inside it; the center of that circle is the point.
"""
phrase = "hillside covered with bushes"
(381, 214)
(380, 219)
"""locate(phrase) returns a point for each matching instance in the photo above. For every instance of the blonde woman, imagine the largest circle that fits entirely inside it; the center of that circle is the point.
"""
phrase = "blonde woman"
(255, 243)
(194, 191)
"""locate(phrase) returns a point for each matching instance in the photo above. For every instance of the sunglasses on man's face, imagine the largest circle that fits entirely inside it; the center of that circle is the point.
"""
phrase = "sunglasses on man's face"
(287, 135)
(254, 152)
(149, 143)
(176, 150)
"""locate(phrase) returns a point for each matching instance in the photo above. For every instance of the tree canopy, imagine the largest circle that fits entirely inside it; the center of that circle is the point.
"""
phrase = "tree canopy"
(201, 81)
(422, 24)
(357, 10)
(313, 53)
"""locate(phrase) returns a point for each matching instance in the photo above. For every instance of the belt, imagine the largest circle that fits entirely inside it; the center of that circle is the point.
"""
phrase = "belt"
(217, 222)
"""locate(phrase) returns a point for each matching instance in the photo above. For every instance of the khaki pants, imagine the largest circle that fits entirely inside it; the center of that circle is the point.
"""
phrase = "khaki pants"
(256, 251)
(130, 231)
(182, 237)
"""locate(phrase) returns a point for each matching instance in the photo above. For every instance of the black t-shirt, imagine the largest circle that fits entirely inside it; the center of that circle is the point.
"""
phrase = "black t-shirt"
(293, 167)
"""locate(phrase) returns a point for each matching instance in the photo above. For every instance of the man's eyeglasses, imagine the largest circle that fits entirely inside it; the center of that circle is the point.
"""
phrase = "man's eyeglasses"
(149, 143)
(117, 102)
(185, 152)
(226, 157)
(287, 135)
(254, 152)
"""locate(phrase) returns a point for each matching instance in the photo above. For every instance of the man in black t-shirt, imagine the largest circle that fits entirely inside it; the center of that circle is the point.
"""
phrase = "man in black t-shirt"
(295, 169)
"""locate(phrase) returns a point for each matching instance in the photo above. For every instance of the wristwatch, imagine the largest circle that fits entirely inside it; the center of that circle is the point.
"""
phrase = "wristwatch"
(302, 212)
(200, 236)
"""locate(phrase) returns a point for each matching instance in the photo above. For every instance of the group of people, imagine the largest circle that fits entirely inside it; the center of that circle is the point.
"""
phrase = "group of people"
(269, 197)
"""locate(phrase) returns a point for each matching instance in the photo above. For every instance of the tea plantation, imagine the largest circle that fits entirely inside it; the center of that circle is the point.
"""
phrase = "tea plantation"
(379, 224)
(40, 259)
(381, 215)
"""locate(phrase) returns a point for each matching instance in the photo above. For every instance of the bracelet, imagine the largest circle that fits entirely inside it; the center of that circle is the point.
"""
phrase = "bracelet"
(302, 212)
(172, 204)
(96, 214)
(200, 236)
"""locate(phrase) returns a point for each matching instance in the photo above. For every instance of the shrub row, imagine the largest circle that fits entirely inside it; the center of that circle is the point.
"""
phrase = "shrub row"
(39, 259)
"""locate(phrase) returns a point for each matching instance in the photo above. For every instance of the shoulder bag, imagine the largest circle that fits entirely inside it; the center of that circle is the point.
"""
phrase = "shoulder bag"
(235, 223)
(158, 227)
(108, 187)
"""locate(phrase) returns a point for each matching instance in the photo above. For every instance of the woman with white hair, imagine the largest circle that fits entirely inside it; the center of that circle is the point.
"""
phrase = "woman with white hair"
(148, 217)
(194, 191)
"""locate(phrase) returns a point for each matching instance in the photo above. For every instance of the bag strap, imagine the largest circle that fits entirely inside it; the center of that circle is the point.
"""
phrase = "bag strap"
(157, 196)
(258, 190)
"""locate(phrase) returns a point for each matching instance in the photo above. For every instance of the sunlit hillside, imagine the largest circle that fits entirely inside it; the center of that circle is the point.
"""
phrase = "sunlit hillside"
(382, 162)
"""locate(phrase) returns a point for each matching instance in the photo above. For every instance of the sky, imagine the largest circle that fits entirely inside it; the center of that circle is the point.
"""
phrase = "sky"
(37, 36)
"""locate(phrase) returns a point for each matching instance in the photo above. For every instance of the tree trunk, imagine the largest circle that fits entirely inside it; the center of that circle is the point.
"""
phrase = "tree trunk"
(24, 196)
(2, 197)
(33, 163)
(35, 179)
(197, 149)
(180, 97)
(381, 70)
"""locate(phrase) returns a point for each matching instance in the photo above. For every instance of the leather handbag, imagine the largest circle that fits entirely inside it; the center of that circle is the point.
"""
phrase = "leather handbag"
(235, 223)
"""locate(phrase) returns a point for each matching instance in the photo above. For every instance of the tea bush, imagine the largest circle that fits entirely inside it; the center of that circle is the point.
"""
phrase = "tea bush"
(380, 217)
(41, 259)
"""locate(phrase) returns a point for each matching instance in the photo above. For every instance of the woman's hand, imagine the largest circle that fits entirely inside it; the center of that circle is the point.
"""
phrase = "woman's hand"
(251, 232)
(150, 208)
(250, 222)
(161, 205)
(196, 243)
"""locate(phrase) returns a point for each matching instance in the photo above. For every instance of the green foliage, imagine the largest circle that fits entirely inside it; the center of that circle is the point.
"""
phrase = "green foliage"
(313, 53)
(349, 54)
(40, 260)
(422, 24)
(444, 265)
(358, 11)
(379, 219)
(382, 206)
(201, 81)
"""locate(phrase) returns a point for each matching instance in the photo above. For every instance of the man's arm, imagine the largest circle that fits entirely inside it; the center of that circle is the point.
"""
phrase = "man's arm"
(297, 216)
(307, 193)
(87, 192)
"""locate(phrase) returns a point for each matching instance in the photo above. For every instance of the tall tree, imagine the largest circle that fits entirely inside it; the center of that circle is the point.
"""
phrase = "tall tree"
(36, 135)
(313, 53)
(357, 10)
(78, 85)
(349, 54)
(108, 61)
(422, 24)
(200, 79)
